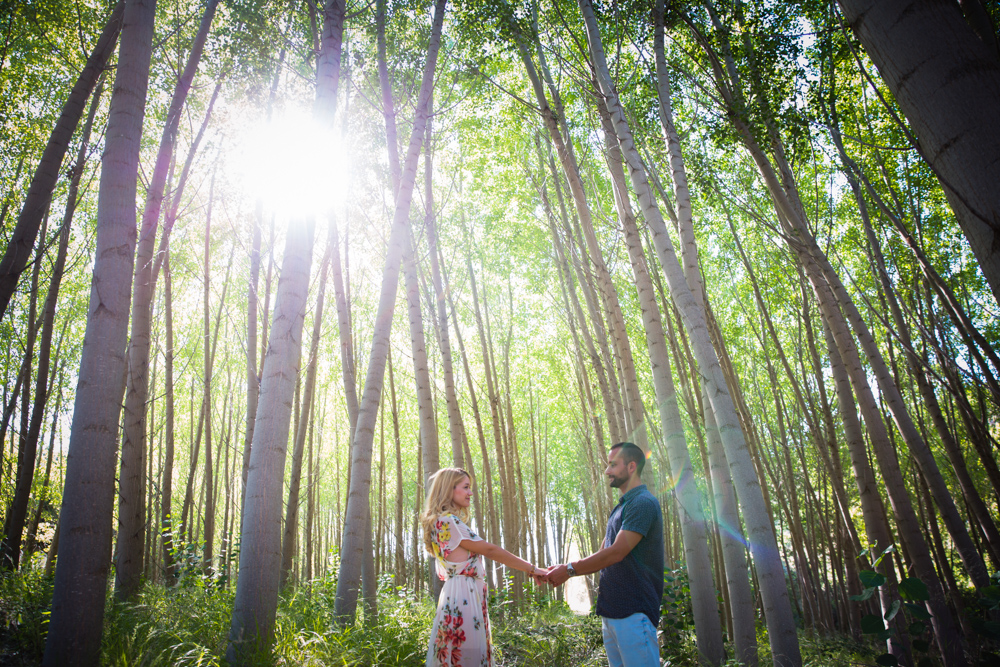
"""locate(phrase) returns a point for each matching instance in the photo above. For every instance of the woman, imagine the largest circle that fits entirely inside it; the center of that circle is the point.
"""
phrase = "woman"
(460, 636)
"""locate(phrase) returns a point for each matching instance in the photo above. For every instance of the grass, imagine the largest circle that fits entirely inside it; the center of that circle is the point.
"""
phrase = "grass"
(188, 625)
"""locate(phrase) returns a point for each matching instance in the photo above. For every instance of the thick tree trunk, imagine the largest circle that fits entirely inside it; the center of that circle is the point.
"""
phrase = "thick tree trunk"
(88, 495)
(947, 82)
(39, 195)
(356, 539)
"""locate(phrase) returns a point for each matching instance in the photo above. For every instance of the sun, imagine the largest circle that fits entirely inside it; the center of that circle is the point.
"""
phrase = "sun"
(295, 165)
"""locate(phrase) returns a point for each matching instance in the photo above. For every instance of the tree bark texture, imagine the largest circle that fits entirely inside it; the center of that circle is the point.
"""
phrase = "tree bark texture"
(354, 539)
(88, 494)
(947, 82)
(131, 521)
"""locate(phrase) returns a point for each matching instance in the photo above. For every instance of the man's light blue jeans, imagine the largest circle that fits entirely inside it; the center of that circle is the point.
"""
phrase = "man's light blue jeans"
(631, 641)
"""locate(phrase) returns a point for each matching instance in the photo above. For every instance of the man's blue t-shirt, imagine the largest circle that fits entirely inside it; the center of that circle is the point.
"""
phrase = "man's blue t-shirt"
(636, 583)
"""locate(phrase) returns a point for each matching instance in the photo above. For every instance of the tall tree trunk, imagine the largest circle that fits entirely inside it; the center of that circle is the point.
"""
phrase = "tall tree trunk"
(733, 549)
(763, 545)
(39, 195)
(88, 495)
(131, 533)
(689, 500)
(167, 524)
(208, 536)
(295, 481)
(947, 83)
(354, 541)
(256, 600)
(17, 512)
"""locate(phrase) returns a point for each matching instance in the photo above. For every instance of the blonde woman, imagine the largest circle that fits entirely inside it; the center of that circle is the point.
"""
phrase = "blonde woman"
(460, 636)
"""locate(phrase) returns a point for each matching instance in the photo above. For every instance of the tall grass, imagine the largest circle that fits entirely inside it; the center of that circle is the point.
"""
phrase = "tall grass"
(188, 624)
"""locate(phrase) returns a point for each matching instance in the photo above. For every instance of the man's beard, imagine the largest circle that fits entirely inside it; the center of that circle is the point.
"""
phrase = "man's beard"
(617, 482)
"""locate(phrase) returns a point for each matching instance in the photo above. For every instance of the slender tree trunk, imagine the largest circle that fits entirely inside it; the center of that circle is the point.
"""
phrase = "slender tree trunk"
(763, 545)
(17, 512)
(131, 533)
(354, 544)
(88, 495)
(689, 499)
(256, 600)
(292, 508)
(167, 524)
(39, 195)
(209, 481)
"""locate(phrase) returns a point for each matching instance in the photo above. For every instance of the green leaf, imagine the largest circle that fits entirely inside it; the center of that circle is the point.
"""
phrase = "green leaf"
(887, 660)
(893, 610)
(865, 594)
(921, 644)
(884, 635)
(917, 610)
(917, 628)
(888, 550)
(913, 589)
(870, 624)
(871, 579)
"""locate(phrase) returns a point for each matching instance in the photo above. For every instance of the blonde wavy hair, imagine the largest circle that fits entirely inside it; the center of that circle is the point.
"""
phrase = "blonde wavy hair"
(439, 501)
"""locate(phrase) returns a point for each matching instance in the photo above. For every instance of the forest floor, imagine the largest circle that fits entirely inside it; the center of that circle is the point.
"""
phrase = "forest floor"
(188, 625)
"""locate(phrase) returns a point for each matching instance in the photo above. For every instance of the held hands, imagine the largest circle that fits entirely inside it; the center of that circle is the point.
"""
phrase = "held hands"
(557, 575)
(539, 574)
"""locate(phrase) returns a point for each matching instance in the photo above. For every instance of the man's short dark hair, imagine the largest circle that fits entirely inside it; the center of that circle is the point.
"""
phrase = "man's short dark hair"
(632, 454)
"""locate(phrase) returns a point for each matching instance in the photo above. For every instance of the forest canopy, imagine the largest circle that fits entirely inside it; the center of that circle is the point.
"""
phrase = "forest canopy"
(268, 265)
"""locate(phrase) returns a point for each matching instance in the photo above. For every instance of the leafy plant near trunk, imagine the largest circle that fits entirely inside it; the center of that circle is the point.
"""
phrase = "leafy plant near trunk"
(913, 593)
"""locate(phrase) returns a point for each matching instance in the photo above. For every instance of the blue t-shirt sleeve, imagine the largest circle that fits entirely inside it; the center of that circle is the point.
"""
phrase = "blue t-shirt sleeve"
(639, 516)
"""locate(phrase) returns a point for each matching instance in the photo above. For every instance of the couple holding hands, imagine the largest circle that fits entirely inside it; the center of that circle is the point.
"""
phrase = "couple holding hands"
(630, 563)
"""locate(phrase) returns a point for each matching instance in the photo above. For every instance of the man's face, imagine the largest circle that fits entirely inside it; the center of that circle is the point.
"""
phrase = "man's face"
(617, 470)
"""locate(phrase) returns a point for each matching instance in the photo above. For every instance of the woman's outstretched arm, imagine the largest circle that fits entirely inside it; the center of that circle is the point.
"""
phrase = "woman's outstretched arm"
(501, 555)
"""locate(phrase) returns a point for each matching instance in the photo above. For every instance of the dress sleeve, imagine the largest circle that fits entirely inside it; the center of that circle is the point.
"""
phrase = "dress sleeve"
(466, 532)
(447, 534)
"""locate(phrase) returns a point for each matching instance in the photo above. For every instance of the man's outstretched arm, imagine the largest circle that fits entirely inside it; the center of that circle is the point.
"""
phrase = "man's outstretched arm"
(622, 546)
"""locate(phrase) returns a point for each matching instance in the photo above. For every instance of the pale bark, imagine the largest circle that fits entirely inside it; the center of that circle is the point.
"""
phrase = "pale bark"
(256, 600)
(354, 539)
(131, 524)
(88, 496)
(167, 525)
(731, 533)
(295, 481)
(43, 182)
(947, 83)
(690, 503)
(763, 545)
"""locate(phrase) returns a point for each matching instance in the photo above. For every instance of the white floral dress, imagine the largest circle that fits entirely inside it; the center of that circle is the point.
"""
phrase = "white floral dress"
(460, 636)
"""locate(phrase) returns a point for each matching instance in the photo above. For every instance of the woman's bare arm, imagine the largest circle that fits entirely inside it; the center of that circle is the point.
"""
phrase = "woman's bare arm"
(498, 554)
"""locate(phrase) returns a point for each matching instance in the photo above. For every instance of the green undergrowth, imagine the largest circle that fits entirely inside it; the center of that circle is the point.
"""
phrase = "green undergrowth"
(188, 624)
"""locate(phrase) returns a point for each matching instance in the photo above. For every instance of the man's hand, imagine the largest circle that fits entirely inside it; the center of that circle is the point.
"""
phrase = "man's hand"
(557, 575)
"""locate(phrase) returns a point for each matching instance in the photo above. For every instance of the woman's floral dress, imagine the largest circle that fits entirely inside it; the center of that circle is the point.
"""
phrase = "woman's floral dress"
(460, 636)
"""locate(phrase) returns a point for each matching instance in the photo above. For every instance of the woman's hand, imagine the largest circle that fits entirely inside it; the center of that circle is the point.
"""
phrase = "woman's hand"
(539, 574)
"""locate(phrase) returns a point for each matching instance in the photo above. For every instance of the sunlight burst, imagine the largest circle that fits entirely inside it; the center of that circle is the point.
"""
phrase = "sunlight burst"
(296, 165)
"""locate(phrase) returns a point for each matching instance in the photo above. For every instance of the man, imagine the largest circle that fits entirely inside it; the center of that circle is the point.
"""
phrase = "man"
(631, 565)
